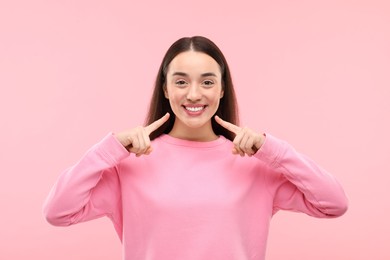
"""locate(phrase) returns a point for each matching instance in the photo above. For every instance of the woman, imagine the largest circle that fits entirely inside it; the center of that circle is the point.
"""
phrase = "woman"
(192, 184)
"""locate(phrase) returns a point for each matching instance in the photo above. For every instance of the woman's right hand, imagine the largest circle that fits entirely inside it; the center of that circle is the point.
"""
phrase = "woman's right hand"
(137, 140)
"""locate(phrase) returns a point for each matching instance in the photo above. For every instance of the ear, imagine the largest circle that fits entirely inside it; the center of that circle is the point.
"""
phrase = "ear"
(222, 92)
(165, 92)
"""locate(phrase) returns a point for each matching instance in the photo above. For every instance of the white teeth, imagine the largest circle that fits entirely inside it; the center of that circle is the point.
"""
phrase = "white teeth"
(194, 109)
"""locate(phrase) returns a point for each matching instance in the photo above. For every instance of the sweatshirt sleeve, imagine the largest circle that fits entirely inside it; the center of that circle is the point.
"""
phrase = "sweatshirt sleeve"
(89, 189)
(298, 183)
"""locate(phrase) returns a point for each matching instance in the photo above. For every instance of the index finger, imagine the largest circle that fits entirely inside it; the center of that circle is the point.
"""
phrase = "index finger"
(156, 124)
(229, 126)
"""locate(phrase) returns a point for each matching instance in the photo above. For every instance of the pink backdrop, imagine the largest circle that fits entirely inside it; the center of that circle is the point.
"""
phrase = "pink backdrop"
(315, 73)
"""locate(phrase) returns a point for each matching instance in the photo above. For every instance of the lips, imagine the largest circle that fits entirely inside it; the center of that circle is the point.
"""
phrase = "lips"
(194, 109)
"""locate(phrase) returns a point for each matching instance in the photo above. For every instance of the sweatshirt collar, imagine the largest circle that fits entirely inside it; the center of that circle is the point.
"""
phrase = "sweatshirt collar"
(195, 144)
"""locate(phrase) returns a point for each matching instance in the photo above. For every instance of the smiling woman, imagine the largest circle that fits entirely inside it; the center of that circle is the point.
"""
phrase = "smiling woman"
(191, 185)
(194, 62)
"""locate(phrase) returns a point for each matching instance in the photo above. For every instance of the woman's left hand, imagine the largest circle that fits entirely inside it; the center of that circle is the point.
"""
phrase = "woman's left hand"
(246, 142)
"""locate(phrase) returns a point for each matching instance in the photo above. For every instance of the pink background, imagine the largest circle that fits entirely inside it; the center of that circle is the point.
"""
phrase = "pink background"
(315, 73)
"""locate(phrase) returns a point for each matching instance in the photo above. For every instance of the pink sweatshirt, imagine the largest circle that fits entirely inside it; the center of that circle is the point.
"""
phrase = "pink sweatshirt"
(192, 200)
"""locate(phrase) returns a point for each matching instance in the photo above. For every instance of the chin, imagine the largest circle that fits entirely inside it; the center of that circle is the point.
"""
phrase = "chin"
(195, 122)
(195, 125)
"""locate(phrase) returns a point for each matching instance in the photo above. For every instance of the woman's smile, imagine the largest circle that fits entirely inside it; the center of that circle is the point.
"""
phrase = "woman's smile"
(194, 110)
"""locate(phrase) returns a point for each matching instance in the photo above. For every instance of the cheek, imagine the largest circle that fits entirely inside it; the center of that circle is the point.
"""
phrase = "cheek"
(174, 100)
(217, 103)
(214, 104)
(216, 97)
(169, 94)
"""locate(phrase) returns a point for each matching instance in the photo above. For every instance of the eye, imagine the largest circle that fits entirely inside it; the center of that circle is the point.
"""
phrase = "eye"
(208, 83)
(180, 82)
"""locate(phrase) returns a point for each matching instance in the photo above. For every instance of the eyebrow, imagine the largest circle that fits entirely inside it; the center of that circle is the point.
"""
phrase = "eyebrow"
(207, 74)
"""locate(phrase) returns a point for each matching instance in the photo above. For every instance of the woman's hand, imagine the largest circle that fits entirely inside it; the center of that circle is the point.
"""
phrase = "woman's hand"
(246, 141)
(137, 140)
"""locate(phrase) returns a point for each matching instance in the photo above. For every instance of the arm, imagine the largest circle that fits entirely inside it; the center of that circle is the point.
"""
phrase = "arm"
(90, 188)
(298, 184)
(295, 181)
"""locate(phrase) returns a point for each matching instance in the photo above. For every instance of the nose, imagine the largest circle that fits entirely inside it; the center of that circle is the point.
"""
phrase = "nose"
(194, 93)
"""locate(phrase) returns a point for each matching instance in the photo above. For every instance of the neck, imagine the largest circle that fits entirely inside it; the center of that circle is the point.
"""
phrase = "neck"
(202, 134)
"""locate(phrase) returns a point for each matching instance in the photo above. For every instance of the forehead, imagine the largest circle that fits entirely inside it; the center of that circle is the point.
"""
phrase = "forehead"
(192, 62)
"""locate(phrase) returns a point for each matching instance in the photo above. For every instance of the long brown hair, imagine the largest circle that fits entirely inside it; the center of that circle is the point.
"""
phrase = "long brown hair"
(159, 104)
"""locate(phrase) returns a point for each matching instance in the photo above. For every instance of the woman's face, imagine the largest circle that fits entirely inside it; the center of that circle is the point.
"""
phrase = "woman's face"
(194, 89)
